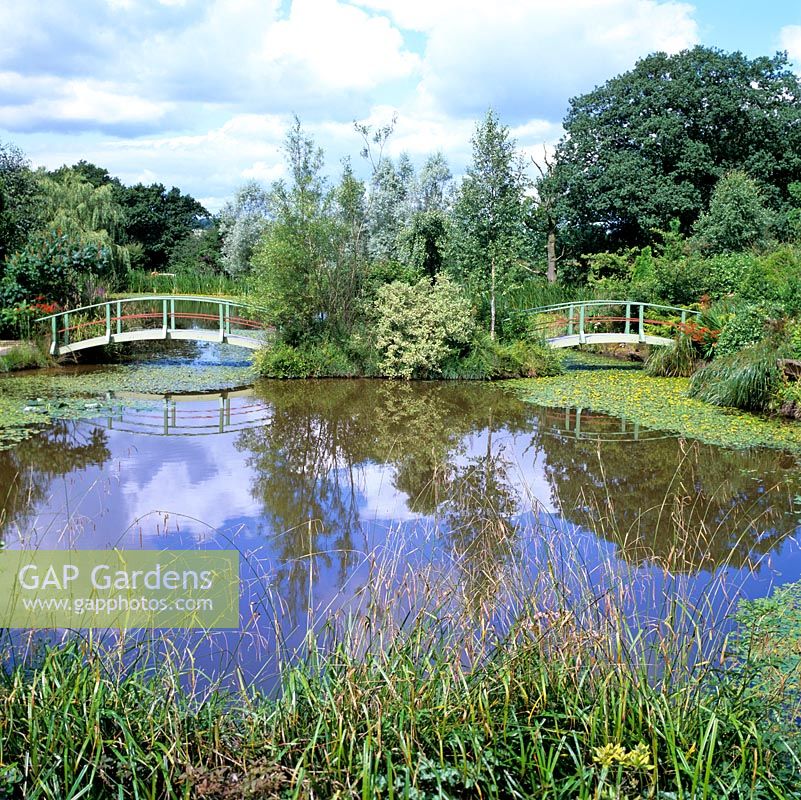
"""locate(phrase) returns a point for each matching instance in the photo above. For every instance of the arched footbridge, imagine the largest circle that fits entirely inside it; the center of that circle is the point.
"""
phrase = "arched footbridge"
(157, 317)
(609, 322)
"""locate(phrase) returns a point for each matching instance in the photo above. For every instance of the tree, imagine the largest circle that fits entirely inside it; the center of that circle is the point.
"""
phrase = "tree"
(650, 145)
(242, 222)
(736, 219)
(19, 200)
(159, 220)
(490, 239)
(310, 261)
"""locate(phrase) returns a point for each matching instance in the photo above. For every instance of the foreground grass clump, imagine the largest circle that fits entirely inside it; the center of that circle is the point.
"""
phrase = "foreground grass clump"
(660, 404)
(545, 713)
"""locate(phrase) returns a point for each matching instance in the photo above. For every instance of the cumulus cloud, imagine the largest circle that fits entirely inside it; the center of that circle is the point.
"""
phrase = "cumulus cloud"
(527, 59)
(790, 38)
(201, 92)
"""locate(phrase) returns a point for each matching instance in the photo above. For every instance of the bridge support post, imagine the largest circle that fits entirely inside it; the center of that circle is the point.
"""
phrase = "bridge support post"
(172, 313)
(628, 318)
(54, 343)
(582, 334)
(570, 320)
(119, 317)
(642, 323)
(66, 328)
(164, 318)
(227, 319)
(108, 323)
(222, 322)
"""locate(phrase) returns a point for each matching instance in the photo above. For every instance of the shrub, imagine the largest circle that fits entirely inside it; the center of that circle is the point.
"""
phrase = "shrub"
(746, 379)
(679, 360)
(281, 361)
(417, 328)
(321, 360)
(745, 326)
(57, 266)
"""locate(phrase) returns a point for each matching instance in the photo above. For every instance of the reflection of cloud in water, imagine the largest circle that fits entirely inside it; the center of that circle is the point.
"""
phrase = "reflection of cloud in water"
(221, 491)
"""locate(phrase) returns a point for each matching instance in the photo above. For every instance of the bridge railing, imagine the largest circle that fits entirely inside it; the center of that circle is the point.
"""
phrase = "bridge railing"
(167, 312)
(580, 318)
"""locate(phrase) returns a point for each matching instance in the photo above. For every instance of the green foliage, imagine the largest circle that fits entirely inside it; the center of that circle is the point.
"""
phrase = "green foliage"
(736, 219)
(689, 118)
(198, 252)
(490, 240)
(775, 278)
(20, 201)
(159, 220)
(418, 327)
(744, 326)
(310, 264)
(58, 267)
(678, 360)
(747, 379)
(489, 359)
(724, 273)
(26, 355)
(318, 360)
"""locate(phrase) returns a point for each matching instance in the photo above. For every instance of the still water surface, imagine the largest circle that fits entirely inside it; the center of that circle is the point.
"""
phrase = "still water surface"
(311, 481)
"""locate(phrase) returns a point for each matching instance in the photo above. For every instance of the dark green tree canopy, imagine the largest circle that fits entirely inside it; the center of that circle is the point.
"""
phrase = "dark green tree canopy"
(650, 145)
(159, 219)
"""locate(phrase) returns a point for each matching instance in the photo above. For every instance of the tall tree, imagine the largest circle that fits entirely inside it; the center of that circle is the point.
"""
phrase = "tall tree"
(159, 220)
(309, 263)
(650, 145)
(490, 248)
(242, 223)
(19, 200)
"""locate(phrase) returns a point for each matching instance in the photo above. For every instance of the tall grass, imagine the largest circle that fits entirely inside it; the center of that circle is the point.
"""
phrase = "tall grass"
(522, 668)
(198, 283)
(747, 379)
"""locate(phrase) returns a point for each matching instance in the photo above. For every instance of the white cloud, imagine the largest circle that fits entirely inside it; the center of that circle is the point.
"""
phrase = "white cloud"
(48, 102)
(527, 58)
(790, 38)
(336, 46)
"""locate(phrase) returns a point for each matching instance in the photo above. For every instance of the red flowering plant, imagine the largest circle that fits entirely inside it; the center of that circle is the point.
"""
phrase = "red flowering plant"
(703, 337)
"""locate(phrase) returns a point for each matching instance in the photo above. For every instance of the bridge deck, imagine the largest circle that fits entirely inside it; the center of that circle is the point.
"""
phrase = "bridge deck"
(219, 327)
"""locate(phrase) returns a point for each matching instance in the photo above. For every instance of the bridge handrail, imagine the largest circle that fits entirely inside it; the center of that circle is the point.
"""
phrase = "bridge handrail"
(160, 297)
(575, 303)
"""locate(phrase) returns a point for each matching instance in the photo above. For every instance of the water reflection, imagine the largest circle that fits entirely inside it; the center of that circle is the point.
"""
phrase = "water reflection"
(314, 482)
(684, 505)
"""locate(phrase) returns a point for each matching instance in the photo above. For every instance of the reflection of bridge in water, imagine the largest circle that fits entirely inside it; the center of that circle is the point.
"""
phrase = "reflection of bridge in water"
(187, 414)
(580, 423)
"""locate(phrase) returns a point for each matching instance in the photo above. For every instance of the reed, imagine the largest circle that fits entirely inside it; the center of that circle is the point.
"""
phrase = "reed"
(519, 667)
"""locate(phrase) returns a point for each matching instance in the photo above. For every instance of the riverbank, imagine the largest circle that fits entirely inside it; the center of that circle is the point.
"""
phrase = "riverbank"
(659, 404)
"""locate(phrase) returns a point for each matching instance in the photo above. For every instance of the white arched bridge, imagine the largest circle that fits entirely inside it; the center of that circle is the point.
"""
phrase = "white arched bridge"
(609, 322)
(155, 317)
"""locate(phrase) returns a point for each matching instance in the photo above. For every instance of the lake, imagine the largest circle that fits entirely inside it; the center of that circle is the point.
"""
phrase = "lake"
(340, 494)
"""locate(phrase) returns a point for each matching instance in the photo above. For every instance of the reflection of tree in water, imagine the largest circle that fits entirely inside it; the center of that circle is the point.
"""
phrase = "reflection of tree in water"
(308, 459)
(684, 504)
(480, 504)
(27, 470)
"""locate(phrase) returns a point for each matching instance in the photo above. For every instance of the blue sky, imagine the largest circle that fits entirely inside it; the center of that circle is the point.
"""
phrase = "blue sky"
(199, 93)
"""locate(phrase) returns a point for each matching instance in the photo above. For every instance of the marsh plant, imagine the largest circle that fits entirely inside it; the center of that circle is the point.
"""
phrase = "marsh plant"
(522, 665)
